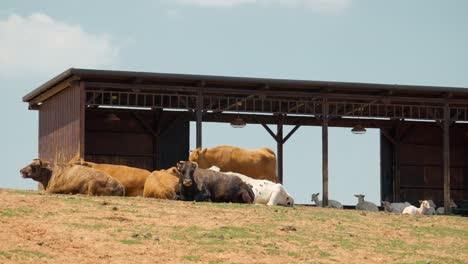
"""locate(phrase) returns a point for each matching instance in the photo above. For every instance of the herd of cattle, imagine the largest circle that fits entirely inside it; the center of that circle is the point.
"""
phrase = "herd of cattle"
(220, 174)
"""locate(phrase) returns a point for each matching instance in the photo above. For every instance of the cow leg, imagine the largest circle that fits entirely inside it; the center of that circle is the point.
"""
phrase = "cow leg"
(203, 196)
(92, 188)
(246, 198)
(273, 198)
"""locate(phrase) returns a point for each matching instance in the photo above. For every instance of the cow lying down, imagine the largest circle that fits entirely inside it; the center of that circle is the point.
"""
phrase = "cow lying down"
(266, 192)
(72, 179)
(162, 184)
(200, 185)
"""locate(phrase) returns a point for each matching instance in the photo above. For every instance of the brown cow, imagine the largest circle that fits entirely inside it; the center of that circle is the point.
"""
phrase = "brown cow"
(162, 184)
(72, 179)
(257, 164)
(133, 179)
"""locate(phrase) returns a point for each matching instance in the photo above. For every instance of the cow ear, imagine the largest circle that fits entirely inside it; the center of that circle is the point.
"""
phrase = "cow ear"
(194, 165)
(45, 164)
(179, 165)
(204, 150)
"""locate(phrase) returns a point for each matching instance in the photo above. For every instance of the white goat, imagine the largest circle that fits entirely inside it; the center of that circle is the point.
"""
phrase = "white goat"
(265, 191)
(441, 210)
(331, 203)
(425, 205)
(396, 208)
(365, 205)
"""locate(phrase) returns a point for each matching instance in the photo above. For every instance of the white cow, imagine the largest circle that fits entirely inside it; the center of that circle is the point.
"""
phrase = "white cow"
(266, 192)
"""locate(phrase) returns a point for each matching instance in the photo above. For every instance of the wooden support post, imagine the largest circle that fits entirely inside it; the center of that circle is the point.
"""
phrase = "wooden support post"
(325, 153)
(396, 141)
(396, 171)
(157, 114)
(280, 140)
(199, 114)
(279, 146)
(446, 156)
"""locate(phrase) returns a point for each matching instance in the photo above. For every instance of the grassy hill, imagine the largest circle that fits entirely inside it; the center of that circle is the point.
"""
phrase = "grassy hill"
(44, 228)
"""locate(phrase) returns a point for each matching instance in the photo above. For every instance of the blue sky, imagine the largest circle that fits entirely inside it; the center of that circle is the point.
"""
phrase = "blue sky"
(404, 42)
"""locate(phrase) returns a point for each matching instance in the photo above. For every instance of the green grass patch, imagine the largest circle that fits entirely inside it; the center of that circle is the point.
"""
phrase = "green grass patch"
(21, 253)
(324, 254)
(131, 242)
(191, 258)
(15, 212)
(67, 199)
(440, 231)
(87, 226)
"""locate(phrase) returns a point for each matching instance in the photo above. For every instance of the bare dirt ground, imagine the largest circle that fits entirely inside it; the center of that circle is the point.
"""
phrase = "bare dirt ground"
(45, 228)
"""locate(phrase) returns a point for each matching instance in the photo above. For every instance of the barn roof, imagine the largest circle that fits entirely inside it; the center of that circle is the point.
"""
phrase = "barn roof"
(249, 83)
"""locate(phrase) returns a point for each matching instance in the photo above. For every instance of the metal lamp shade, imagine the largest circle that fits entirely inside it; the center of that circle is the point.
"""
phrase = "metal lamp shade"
(358, 129)
(238, 123)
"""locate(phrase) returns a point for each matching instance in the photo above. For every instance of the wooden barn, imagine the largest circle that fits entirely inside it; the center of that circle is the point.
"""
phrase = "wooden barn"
(142, 119)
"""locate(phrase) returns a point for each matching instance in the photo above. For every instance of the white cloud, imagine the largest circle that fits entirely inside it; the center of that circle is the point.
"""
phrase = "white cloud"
(39, 44)
(314, 5)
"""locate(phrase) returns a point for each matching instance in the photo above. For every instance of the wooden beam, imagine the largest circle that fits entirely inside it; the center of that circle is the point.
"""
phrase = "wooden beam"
(396, 162)
(279, 144)
(446, 159)
(387, 136)
(82, 87)
(199, 115)
(325, 153)
(145, 125)
(53, 91)
(308, 95)
(269, 131)
(291, 133)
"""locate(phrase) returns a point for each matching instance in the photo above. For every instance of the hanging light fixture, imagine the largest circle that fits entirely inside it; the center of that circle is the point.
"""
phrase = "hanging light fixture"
(238, 122)
(112, 117)
(358, 129)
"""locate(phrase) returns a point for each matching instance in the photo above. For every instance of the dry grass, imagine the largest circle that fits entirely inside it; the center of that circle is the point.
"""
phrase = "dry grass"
(43, 228)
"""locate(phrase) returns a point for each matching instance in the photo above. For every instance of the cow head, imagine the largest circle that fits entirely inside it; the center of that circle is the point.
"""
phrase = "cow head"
(186, 170)
(36, 170)
(195, 154)
(173, 171)
(289, 201)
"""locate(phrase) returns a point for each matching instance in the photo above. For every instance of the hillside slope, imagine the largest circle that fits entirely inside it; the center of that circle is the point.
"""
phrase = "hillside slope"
(44, 228)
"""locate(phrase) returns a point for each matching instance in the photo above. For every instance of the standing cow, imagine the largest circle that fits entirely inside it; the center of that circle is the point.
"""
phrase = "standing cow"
(72, 179)
(258, 164)
(199, 185)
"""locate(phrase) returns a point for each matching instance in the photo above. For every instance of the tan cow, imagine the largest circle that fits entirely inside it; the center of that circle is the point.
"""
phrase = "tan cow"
(162, 184)
(133, 179)
(72, 179)
(258, 164)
